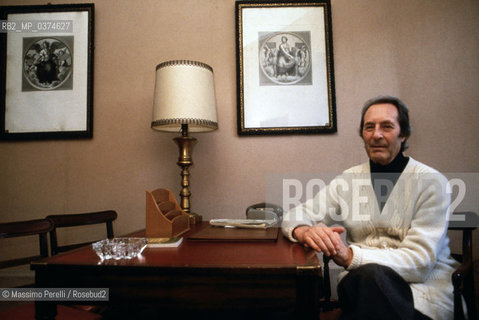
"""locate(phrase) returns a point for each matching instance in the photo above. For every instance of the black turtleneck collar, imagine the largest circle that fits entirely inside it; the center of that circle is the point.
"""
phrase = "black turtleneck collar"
(390, 172)
(396, 166)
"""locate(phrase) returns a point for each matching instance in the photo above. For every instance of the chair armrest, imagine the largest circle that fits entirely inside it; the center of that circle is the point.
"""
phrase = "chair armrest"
(463, 278)
(458, 277)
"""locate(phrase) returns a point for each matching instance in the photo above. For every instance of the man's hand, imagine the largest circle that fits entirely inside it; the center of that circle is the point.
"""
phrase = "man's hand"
(327, 240)
(320, 237)
(344, 255)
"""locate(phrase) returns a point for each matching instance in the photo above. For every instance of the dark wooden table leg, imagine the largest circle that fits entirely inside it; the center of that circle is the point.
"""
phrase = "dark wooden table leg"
(45, 310)
(308, 286)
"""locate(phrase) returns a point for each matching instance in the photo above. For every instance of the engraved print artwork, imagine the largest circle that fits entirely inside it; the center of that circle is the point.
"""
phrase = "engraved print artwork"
(47, 63)
(285, 58)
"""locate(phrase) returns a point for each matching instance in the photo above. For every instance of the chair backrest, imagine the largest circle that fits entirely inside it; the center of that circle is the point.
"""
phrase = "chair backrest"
(463, 277)
(38, 227)
(79, 219)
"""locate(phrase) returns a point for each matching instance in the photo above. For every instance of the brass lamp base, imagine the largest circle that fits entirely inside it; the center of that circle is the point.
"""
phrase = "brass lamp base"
(185, 144)
(195, 218)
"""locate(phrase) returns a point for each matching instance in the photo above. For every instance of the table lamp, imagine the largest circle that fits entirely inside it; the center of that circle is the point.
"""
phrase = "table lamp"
(184, 101)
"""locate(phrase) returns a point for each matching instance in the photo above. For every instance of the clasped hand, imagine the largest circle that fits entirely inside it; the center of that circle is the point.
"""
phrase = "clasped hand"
(326, 240)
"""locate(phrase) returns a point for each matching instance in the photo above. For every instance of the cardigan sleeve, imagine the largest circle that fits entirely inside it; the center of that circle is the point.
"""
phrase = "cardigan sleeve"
(425, 237)
(301, 215)
(320, 208)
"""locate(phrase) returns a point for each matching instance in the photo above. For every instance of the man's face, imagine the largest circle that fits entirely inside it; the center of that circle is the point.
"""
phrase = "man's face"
(381, 132)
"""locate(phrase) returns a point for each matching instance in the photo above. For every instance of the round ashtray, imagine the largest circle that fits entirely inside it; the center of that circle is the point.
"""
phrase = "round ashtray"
(119, 248)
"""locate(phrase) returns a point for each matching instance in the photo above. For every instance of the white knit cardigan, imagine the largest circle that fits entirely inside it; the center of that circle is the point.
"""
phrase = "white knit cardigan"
(408, 235)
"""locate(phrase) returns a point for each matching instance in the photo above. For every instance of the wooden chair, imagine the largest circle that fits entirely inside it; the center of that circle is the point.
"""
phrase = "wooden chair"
(462, 278)
(25, 311)
(38, 227)
(76, 220)
(79, 219)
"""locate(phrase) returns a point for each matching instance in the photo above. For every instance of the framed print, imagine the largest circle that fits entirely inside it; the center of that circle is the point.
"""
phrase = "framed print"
(285, 76)
(47, 72)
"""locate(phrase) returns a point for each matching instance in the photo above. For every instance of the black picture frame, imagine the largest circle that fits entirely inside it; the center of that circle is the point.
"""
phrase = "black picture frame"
(285, 69)
(46, 83)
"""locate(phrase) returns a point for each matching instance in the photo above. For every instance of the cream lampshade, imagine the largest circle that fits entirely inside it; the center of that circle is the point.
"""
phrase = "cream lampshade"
(184, 101)
(184, 94)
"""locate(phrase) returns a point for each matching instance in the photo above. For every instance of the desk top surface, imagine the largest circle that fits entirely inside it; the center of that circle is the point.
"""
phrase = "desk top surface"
(270, 255)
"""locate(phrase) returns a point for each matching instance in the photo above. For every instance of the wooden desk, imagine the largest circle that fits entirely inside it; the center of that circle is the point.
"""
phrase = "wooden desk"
(233, 276)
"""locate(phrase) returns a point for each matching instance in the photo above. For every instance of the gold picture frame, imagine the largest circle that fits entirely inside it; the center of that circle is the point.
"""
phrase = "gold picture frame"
(285, 74)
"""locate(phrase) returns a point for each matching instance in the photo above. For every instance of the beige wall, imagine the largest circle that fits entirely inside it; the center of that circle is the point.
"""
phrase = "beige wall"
(424, 51)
